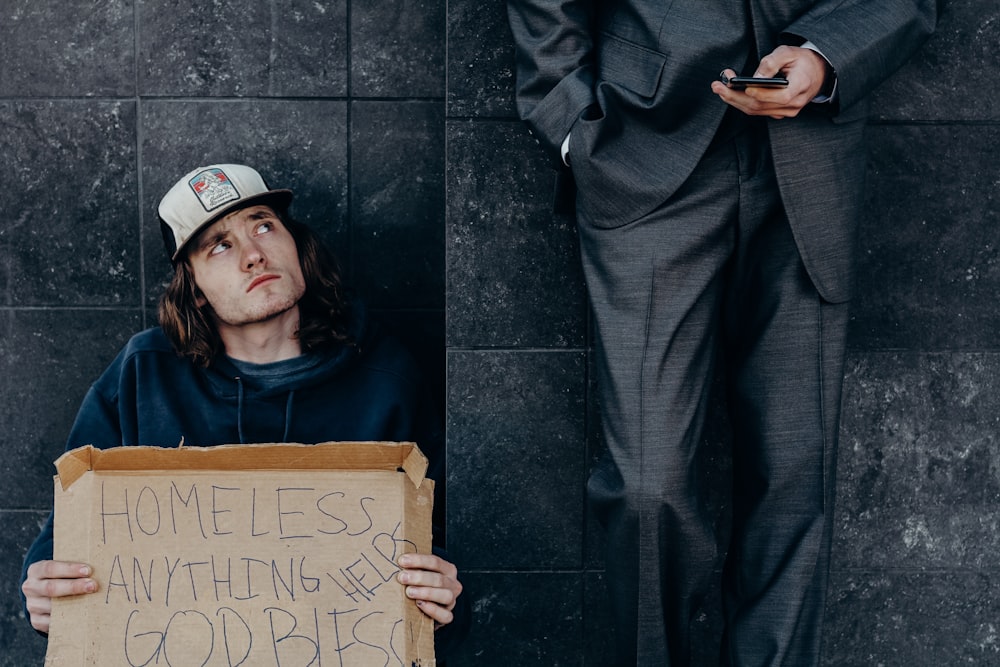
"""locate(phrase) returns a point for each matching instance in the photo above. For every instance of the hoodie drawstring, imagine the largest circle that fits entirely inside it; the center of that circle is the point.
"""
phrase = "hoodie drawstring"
(239, 408)
(239, 412)
(288, 415)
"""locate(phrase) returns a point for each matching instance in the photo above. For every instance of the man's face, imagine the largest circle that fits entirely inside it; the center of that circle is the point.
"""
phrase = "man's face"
(247, 267)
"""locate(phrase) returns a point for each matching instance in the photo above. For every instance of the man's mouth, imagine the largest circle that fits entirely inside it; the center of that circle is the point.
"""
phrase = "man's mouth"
(260, 280)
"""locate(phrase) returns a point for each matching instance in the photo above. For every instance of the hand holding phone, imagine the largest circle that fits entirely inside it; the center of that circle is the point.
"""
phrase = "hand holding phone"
(742, 82)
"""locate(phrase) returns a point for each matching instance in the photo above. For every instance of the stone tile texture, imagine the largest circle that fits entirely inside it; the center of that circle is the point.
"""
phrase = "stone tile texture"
(54, 48)
(398, 48)
(397, 202)
(513, 272)
(243, 49)
(515, 423)
(395, 124)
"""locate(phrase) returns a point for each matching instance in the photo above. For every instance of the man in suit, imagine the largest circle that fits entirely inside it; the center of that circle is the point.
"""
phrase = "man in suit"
(717, 230)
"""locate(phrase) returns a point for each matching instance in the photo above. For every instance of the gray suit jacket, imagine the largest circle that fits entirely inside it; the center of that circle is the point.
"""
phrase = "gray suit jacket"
(631, 79)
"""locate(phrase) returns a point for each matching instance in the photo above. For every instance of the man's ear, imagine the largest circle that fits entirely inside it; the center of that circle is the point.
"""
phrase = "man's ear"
(199, 298)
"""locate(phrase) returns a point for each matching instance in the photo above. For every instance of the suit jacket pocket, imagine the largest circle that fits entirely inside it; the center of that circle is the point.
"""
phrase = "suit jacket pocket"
(612, 188)
(629, 65)
(627, 79)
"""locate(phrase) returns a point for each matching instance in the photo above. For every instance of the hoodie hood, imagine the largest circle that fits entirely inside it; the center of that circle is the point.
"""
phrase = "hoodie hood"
(258, 395)
(369, 389)
(228, 381)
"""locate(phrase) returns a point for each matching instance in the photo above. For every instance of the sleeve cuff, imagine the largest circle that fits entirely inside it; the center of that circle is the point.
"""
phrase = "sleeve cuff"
(564, 150)
(829, 92)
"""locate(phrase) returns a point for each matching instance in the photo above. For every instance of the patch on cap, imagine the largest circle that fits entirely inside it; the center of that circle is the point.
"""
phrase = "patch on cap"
(213, 188)
(205, 194)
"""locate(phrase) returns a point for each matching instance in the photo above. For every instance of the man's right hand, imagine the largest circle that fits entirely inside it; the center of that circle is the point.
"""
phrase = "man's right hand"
(806, 71)
(49, 579)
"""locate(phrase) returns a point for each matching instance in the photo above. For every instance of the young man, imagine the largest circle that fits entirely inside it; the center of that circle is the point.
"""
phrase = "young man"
(717, 229)
(257, 342)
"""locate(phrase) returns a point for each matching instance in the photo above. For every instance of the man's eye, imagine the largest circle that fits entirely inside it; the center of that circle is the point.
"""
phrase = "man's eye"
(219, 248)
(265, 227)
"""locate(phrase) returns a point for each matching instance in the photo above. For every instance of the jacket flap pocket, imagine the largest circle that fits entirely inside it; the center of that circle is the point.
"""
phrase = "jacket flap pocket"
(629, 65)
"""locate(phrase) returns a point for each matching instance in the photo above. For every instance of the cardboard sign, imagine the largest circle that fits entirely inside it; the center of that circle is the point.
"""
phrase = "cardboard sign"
(279, 555)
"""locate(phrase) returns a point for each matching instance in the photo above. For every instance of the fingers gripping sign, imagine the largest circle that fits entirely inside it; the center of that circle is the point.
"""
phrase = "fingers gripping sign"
(433, 583)
(48, 579)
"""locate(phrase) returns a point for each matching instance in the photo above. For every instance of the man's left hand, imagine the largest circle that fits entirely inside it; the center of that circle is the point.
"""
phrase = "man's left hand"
(433, 583)
(805, 70)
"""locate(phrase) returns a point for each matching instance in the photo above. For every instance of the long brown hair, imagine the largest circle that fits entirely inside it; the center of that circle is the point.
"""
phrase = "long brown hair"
(324, 309)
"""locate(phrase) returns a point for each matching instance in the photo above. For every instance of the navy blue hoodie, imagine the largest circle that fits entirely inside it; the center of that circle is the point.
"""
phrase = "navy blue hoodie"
(368, 390)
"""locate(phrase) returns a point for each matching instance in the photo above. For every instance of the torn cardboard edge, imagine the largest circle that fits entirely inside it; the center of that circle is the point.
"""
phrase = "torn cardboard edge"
(360, 455)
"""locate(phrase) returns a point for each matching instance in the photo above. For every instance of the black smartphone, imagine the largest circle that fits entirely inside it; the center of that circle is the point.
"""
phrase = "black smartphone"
(741, 82)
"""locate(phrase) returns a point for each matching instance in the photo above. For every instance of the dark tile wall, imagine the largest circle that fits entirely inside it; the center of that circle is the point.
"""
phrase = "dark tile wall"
(394, 122)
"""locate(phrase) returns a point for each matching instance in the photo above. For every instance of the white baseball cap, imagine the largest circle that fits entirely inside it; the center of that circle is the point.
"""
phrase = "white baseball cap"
(208, 193)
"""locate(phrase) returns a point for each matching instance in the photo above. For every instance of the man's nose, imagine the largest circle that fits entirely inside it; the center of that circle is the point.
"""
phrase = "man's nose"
(253, 256)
